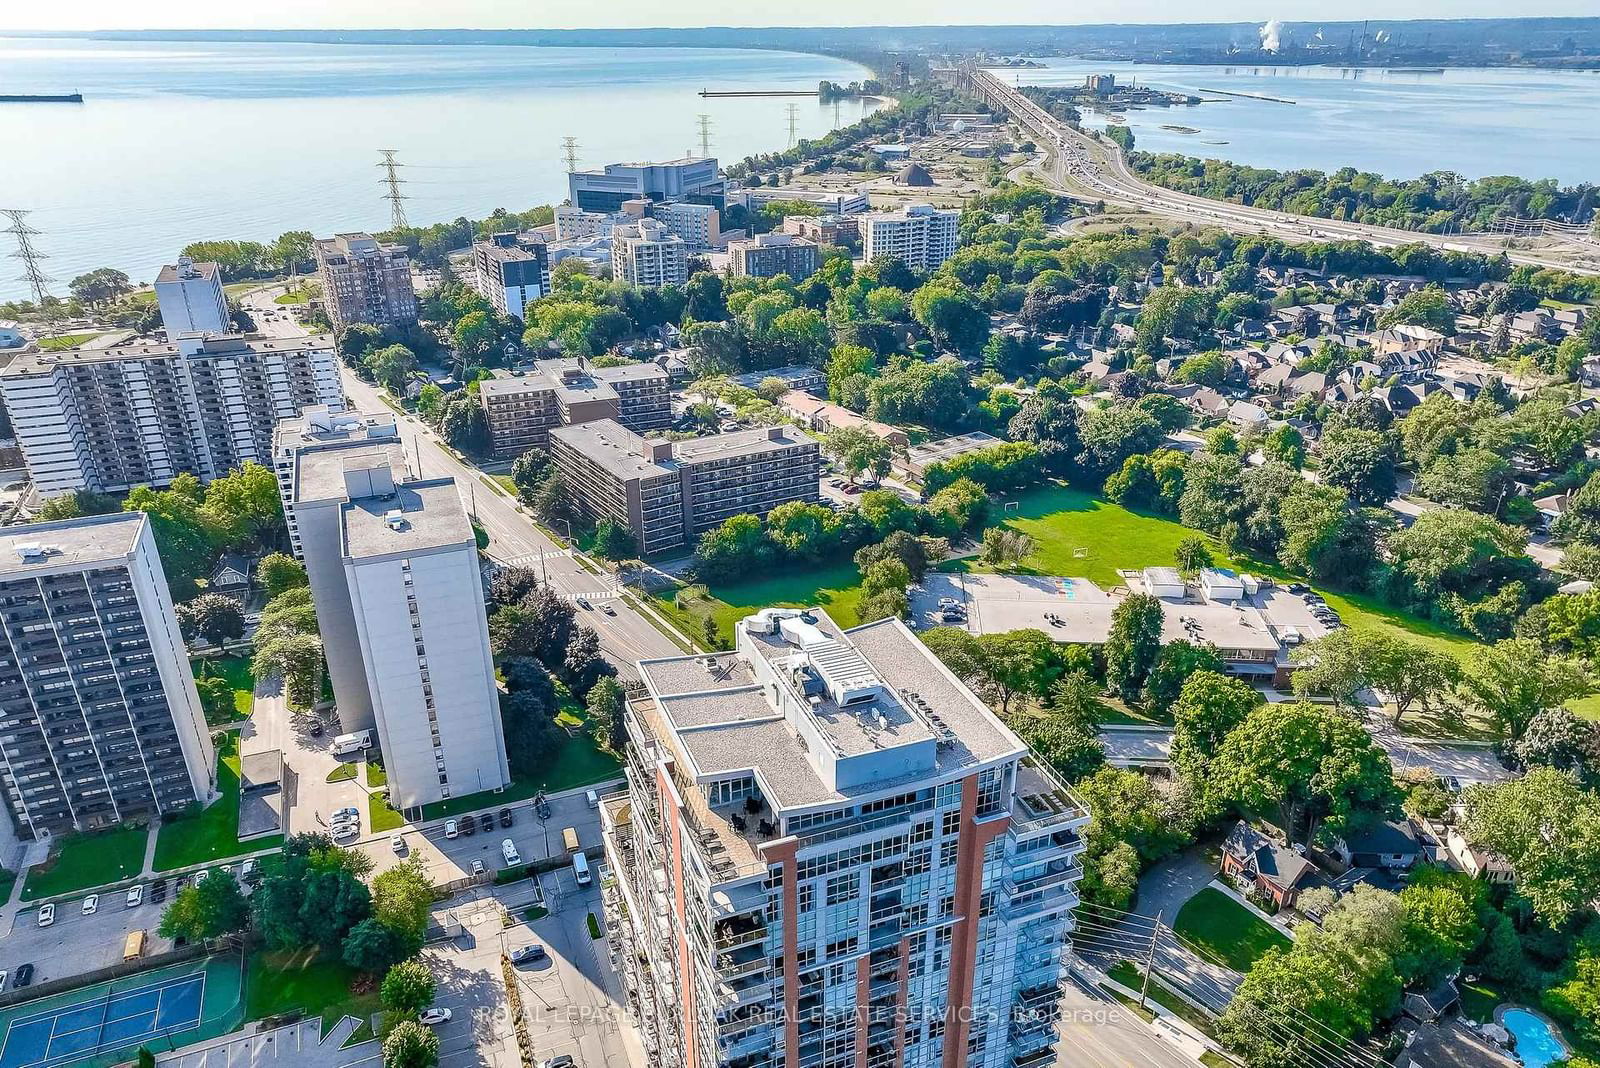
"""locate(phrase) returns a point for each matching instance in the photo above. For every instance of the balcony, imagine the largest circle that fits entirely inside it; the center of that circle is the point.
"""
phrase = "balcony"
(736, 933)
(1038, 1058)
(1043, 801)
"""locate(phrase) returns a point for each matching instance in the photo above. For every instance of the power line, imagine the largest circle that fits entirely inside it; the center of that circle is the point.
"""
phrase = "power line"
(391, 178)
(32, 259)
(704, 122)
(569, 149)
(794, 122)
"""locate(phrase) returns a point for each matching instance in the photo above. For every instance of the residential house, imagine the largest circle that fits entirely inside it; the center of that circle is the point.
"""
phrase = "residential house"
(1247, 415)
(1267, 866)
(231, 574)
(823, 416)
(1208, 402)
(1450, 1045)
(1478, 863)
(1552, 508)
(1390, 844)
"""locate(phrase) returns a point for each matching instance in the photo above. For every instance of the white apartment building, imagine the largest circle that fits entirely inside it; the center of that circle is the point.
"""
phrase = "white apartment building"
(575, 224)
(921, 235)
(700, 225)
(393, 568)
(645, 253)
(191, 299)
(511, 271)
(831, 854)
(100, 722)
(109, 419)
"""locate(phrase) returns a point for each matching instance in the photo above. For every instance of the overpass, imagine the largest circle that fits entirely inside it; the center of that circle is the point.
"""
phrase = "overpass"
(1087, 167)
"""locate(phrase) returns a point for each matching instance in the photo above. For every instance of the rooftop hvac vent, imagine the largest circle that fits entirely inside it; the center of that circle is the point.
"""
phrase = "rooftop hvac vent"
(394, 519)
(28, 552)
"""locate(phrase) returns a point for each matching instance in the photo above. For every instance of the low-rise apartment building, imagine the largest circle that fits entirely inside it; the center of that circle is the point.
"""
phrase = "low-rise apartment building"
(522, 407)
(646, 253)
(920, 235)
(510, 271)
(100, 722)
(109, 419)
(669, 493)
(769, 255)
(830, 853)
(364, 281)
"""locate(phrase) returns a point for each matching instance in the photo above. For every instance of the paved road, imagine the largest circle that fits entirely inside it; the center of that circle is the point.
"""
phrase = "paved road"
(1139, 746)
(1087, 168)
(625, 637)
(1097, 1031)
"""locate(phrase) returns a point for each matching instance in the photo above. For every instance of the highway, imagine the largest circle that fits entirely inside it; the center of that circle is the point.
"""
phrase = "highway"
(1088, 168)
(625, 637)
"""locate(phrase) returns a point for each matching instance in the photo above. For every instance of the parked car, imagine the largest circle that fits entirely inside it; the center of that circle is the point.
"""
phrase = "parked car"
(562, 1060)
(345, 830)
(135, 897)
(435, 1016)
(397, 842)
(478, 868)
(91, 904)
(47, 915)
(158, 891)
(450, 830)
(247, 870)
(24, 976)
(468, 826)
(528, 953)
(349, 810)
(486, 822)
(505, 817)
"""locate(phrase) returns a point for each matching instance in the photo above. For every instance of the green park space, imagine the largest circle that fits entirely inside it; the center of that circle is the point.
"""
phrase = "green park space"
(1225, 931)
(65, 341)
(236, 669)
(1131, 976)
(211, 833)
(834, 587)
(283, 981)
(81, 861)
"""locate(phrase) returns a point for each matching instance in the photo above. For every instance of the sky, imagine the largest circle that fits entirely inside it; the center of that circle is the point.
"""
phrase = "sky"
(539, 14)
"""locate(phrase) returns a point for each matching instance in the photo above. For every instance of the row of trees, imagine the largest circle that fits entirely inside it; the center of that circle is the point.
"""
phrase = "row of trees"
(1439, 202)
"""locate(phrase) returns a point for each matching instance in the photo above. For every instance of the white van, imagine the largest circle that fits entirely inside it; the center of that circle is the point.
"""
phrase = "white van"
(508, 849)
(580, 868)
(346, 744)
(592, 797)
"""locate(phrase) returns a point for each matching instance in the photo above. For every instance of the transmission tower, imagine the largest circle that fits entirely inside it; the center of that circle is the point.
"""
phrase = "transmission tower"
(569, 147)
(705, 135)
(32, 265)
(794, 122)
(392, 179)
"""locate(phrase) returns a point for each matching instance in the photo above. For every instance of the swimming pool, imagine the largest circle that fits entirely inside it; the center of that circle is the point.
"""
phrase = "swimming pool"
(1537, 1044)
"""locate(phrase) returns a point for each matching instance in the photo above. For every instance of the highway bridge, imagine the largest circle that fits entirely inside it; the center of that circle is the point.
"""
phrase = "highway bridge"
(1091, 168)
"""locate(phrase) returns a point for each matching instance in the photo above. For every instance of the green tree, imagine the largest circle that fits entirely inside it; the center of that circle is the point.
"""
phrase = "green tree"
(856, 450)
(604, 708)
(1441, 928)
(887, 512)
(803, 529)
(1133, 644)
(408, 987)
(1175, 665)
(1547, 827)
(1306, 768)
(184, 538)
(731, 550)
(372, 947)
(279, 572)
(1513, 681)
(214, 617)
(297, 660)
(1360, 462)
(410, 1045)
(1193, 555)
(100, 287)
(210, 907)
(612, 541)
(1110, 435)
(475, 336)
(401, 898)
(1208, 708)
(1018, 663)
(1429, 307)
(245, 507)
(392, 366)
(216, 699)
(952, 315)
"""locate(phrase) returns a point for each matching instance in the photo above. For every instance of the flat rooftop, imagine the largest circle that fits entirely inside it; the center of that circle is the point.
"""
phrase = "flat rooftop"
(720, 719)
(739, 443)
(69, 544)
(430, 517)
(320, 471)
(169, 272)
(612, 446)
(222, 345)
(947, 448)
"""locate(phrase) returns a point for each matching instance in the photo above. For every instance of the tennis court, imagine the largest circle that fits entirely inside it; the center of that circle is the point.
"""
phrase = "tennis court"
(104, 1023)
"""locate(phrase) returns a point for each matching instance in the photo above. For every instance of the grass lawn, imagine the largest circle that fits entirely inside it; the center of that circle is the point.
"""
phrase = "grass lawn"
(80, 861)
(236, 669)
(1132, 976)
(281, 981)
(835, 587)
(8, 879)
(65, 341)
(1480, 999)
(1225, 930)
(342, 773)
(213, 832)
(377, 778)
(380, 816)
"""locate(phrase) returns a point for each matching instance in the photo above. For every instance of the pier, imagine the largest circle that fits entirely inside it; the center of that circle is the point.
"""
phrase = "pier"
(758, 92)
(1249, 96)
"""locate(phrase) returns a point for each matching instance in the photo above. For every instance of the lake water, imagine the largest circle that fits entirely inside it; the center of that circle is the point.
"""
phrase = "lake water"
(1531, 123)
(179, 142)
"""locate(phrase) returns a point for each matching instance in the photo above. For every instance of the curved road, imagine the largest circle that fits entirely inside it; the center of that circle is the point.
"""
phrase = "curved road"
(1085, 167)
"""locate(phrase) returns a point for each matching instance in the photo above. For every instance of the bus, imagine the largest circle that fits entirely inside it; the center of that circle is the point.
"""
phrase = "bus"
(133, 948)
(569, 841)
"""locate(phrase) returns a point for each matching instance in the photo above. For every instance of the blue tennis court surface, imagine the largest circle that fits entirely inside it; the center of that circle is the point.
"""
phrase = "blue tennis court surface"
(119, 1019)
